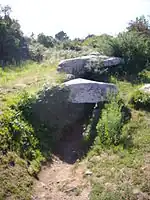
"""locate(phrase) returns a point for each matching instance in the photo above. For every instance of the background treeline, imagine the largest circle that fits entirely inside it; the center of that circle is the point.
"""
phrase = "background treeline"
(133, 44)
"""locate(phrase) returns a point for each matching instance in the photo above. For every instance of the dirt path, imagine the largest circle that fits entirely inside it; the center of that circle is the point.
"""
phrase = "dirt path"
(62, 181)
(65, 178)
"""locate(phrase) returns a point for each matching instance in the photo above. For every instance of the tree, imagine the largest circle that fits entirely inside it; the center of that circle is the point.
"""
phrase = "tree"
(47, 41)
(61, 36)
(140, 25)
(13, 46)
(89, 36)
(134, 49)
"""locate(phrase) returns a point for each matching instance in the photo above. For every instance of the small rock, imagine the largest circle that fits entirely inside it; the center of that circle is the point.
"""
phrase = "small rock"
(45, 187)
(19, 85)
(43, 184)
(136, 191)
(145, 88)
(34, 198)
(88, 173)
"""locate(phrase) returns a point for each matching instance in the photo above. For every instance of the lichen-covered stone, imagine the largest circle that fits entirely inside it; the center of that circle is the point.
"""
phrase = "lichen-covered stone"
(77, 66)
(86, 91)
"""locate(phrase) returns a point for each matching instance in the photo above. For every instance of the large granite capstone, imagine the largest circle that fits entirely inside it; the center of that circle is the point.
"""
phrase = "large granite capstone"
(86, 91)
(77, 66)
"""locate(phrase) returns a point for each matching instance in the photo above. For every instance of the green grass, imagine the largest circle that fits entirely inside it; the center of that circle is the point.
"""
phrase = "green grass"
(119, 173)
(15, 181)
(28, 77)
(123, 173)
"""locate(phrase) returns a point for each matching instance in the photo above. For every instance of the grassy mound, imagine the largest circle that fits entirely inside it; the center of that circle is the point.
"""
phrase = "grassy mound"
(121, 170)
(15, 182)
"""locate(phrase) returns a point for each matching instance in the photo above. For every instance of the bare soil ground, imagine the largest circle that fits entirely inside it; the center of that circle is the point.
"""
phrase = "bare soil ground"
(64, 178)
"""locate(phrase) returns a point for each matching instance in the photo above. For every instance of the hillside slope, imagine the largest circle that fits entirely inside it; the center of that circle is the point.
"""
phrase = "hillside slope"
(114, 172)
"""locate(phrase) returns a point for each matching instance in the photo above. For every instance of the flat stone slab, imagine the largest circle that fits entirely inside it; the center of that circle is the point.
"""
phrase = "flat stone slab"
(87, 91)
(76, 66)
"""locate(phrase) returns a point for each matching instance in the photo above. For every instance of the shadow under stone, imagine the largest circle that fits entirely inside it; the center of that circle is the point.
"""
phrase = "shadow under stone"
(57, 123)
(70, 147)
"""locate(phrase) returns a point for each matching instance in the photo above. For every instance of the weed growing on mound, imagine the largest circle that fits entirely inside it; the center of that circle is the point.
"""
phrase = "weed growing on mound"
(111, 122)
(17, 135)
(121, 170)
(140, 100)
(15, 181)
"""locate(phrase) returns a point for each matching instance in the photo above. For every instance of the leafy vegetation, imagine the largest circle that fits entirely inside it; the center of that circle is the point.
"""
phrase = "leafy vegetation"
(61, 36)
(111, 122)
(18, 136)
(47, 41)
(33, 117)
(140, 100)
(13, 46)
(134, 48)
(140, 25)
(20, 153)
(50, 114)
(15, 181)
(122, 171)
(99, 43)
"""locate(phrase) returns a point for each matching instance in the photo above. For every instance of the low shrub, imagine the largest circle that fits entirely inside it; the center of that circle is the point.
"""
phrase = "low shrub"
(111, 122)
(15, 181)
(36, 51)
(51, 115)
(90, 131)
(95, 70)
(134, 48)
(140, 100)
(99, 43)
(17, 135)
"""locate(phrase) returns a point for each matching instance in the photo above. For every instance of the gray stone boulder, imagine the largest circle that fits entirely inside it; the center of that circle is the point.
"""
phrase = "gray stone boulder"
(113, 61)
(86, 91)
(146, 88)
(73, 66)
(77, 66)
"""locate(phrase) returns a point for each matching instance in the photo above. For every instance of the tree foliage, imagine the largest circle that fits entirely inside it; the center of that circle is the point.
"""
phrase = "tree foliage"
(140, 25)
(13, 46)
(61, 36)
(133, 45)
(47, 41)
(134, 48)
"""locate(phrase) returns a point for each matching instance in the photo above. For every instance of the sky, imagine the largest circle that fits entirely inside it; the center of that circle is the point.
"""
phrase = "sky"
(77, 18)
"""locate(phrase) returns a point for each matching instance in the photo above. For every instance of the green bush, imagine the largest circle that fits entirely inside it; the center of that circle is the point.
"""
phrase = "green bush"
(90, 131)
(15, 181)
(36, 51)
(72, 45)
(140, 100)
(111, 122)
(97, 71)
(17, 135)
(51, 115)
(135, 50)
(100, 43)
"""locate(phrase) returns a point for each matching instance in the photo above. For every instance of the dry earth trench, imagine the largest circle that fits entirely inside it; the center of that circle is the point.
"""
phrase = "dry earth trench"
(64, 178)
